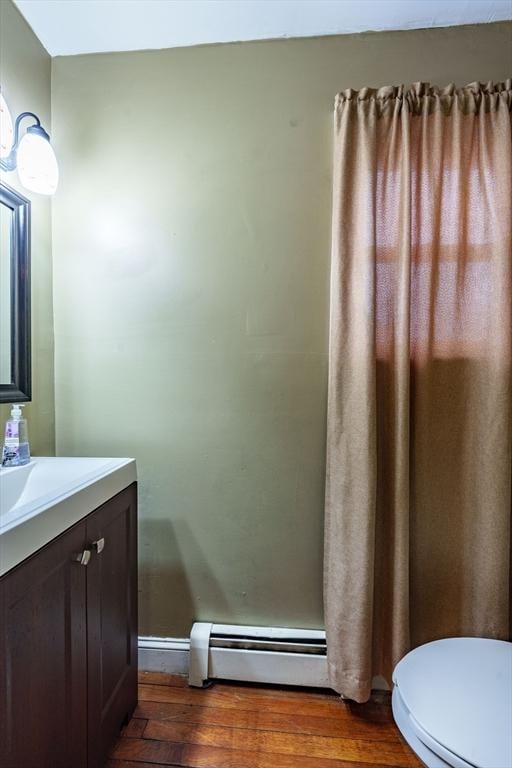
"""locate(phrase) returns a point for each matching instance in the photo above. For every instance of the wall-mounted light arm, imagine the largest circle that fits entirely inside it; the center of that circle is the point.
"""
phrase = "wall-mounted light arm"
(9, 163)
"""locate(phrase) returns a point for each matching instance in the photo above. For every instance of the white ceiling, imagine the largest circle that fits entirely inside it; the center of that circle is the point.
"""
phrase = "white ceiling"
(91, 26)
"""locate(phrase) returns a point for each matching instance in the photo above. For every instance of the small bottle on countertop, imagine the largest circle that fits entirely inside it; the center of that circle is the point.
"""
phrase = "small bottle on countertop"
(16, 451)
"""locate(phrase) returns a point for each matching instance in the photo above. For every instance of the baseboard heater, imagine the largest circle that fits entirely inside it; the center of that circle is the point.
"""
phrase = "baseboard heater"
(276, 655)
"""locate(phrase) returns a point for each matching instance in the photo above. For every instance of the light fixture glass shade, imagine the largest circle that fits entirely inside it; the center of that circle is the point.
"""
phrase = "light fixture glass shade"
(6, 129)
(37, 164)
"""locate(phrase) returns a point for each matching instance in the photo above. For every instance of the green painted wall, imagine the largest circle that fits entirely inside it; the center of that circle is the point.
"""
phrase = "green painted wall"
(191, 254)
(25, 76)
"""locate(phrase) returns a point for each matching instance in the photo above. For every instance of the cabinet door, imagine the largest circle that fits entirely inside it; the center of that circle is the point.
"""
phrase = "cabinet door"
(111, 621)
(43, 717)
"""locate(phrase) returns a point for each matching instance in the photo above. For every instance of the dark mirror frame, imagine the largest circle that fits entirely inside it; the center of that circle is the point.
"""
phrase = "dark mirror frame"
(20, 388)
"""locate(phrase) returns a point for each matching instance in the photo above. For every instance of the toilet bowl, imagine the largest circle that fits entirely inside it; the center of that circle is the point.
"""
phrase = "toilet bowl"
(452, 701)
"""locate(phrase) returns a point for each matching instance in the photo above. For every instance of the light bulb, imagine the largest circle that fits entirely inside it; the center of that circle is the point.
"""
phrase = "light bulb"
(6, 129)
(37, 164)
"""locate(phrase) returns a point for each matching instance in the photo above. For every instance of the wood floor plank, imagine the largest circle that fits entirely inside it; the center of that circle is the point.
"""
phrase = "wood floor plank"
(304, 694)
(135, 728)
(163, 678)
(131, 764)
(145, 750)
(352, 750)
(377, 709)
(242, 700)
(344, 725)
(289, 692)
(139, 751)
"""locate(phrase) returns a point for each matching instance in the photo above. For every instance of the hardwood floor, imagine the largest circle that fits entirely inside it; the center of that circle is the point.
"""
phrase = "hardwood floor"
(243, 726)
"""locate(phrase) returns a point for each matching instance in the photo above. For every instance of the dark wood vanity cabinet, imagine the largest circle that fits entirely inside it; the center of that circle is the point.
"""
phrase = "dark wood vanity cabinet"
(68, 643)
(43, 658)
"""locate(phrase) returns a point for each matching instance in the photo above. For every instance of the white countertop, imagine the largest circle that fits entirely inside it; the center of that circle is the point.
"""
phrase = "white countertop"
(42, 499)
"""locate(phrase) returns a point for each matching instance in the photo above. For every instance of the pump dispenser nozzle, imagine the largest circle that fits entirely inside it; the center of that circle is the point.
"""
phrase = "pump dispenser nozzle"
(16, 412)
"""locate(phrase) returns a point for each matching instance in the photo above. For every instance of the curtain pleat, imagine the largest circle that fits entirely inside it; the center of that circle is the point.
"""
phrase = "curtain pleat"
(418, 491)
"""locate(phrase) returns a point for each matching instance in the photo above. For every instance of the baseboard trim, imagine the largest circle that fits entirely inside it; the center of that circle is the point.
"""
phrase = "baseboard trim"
(164, 654)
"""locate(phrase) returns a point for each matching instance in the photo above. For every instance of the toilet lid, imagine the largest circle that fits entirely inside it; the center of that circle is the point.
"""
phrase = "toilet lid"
(459, 691)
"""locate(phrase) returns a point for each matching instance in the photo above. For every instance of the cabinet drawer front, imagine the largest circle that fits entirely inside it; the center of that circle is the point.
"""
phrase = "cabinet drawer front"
(43, 658)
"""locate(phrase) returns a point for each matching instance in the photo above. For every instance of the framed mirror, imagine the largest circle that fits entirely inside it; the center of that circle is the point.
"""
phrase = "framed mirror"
(15, 362)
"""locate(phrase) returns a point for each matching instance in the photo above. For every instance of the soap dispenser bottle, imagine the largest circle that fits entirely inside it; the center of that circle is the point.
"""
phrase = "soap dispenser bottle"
(16, 451)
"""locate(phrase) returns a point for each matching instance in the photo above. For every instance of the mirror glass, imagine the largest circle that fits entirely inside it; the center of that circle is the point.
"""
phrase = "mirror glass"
(5, 294)
(15, 362)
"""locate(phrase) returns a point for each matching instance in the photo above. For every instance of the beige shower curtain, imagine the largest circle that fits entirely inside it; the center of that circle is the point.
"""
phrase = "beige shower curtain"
(418, 498)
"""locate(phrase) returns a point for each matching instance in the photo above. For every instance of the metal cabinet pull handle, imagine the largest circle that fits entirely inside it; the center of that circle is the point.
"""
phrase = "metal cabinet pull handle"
(83, 557)
(99, 545)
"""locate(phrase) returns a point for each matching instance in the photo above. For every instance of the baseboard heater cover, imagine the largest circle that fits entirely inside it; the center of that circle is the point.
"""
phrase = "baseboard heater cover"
(278, 655)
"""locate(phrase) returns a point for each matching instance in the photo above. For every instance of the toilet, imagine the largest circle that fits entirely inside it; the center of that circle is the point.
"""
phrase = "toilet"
(452, 701)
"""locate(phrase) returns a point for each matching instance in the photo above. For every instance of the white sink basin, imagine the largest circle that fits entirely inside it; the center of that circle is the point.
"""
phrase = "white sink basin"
(43, 498)
(12, 484)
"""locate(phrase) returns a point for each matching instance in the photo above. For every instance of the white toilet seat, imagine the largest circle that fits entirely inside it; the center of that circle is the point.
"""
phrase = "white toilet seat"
(419, 743)
(452, 701)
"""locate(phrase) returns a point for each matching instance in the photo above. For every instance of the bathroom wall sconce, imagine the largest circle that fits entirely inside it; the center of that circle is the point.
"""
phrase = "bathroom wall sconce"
(32, 154)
